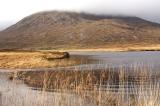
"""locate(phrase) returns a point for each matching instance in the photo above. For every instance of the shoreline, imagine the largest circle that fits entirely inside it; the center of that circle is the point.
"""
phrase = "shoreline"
(58, 61)
(114, 49)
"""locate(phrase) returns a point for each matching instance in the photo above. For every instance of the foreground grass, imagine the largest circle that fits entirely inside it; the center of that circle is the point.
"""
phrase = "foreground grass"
(109, 87)
(34, 59)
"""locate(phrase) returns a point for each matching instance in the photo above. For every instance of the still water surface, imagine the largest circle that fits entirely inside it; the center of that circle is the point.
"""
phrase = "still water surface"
(15, 93)
(119, 59)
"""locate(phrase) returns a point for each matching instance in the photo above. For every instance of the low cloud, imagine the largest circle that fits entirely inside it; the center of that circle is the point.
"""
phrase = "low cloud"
(13, 11)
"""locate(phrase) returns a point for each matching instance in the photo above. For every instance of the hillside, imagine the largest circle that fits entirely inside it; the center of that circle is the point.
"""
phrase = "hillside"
(69, 30)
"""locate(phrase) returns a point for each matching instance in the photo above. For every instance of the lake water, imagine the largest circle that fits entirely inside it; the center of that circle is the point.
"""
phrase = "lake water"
(16, 93)
(119, 59)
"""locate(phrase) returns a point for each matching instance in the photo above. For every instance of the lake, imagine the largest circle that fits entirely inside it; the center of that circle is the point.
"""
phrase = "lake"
(18, 92)
(119, 59)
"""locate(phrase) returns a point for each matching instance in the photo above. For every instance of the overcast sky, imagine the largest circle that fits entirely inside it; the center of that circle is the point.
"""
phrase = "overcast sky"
(12, 11)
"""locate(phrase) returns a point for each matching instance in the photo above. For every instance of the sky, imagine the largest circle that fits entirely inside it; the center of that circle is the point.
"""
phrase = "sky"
(11, 11)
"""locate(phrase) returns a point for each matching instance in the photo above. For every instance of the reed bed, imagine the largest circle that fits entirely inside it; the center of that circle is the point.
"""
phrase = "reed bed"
(137, 85)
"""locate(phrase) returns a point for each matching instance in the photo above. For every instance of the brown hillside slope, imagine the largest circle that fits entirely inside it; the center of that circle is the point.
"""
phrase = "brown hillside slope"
(52, 30)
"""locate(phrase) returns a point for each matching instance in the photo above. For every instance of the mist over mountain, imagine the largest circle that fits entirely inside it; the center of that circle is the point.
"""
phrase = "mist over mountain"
(5, 24)
(59, 29)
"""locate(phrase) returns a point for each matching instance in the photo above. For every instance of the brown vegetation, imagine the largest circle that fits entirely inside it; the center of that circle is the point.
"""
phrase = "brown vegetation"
(34, 59)
(67, 30)
(110, 87)
(85, 79)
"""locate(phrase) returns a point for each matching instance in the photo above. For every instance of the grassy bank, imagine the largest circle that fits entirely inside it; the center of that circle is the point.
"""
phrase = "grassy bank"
(109, 48)
(34, 59)
(123, 48)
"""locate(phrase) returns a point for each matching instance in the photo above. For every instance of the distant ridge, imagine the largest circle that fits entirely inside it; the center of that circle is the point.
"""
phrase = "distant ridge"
(67, 30)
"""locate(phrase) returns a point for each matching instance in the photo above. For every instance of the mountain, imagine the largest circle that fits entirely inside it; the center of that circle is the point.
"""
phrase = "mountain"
(58, 30)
